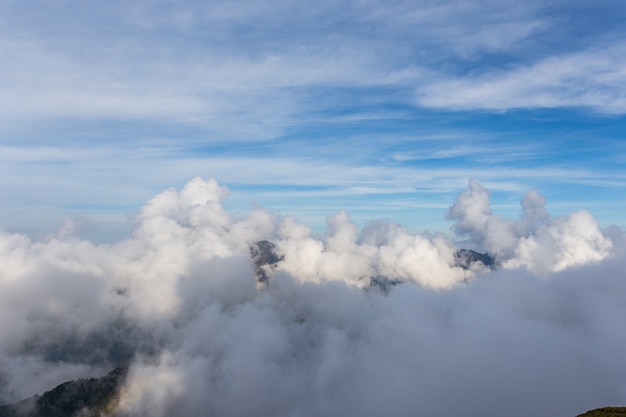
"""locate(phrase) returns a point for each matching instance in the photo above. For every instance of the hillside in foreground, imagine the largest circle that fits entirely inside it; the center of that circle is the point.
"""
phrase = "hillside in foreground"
(605, 412)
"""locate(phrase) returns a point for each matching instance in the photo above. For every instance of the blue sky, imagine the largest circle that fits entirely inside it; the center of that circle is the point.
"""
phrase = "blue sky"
(383, 108)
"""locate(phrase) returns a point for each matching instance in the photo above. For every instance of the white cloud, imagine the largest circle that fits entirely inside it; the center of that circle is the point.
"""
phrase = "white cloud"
(536, 241)
(590, 79)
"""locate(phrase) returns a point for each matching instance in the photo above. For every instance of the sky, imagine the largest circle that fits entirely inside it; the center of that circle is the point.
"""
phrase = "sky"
(384, 109)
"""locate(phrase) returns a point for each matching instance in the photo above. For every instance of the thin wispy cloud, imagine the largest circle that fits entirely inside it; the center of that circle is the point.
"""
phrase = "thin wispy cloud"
(589, 79)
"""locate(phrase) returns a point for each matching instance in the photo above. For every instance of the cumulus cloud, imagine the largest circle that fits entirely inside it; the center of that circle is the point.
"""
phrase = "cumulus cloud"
(178, 302)
(535, 241)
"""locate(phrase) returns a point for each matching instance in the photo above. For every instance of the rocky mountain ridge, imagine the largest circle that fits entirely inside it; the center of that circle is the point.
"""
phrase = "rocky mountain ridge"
(265, 257)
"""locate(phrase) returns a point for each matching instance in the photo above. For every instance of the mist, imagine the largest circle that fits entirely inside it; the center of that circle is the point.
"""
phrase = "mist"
(370, 322)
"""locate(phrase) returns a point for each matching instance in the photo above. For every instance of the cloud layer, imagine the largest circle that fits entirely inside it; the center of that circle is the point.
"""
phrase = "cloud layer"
(179, 302)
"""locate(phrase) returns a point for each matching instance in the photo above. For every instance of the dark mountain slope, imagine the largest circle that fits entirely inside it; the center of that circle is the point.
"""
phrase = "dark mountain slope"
(93, 397)
(467, 258)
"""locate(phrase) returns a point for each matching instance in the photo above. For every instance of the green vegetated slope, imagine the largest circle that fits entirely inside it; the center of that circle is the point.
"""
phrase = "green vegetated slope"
(605, 412)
